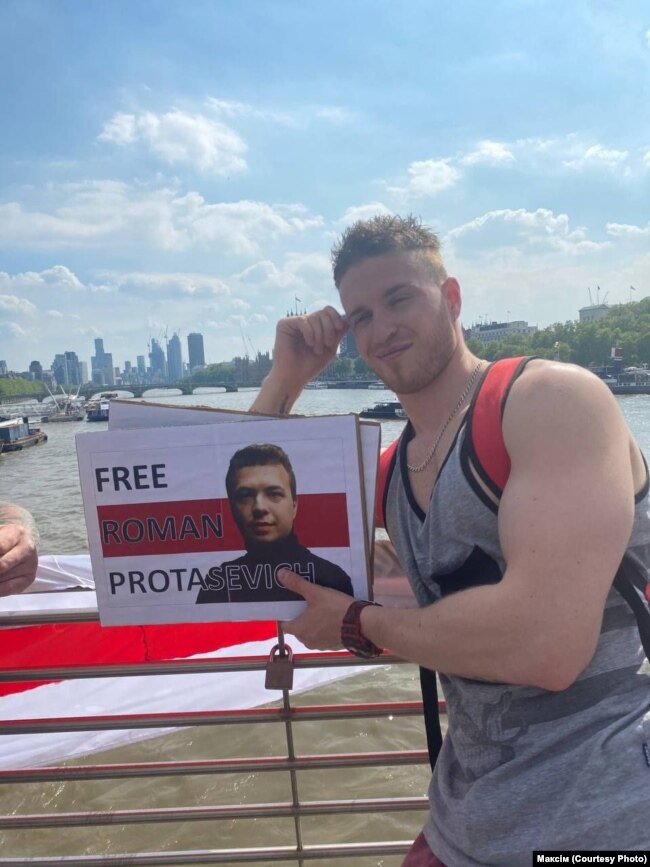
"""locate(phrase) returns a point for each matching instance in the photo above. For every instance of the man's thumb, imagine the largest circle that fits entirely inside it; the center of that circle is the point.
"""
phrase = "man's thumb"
(292, 581)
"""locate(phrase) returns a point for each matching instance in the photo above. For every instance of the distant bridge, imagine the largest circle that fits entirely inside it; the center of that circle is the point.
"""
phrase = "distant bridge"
(93, 389)
(190, 388)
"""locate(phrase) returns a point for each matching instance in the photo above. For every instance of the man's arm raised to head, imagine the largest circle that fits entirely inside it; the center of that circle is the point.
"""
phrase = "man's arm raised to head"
(564, 522)
(304, 345)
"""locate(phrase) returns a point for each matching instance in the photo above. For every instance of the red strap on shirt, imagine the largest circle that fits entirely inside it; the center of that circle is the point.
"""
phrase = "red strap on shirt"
(487, 415)
(386, 462)
(486, 432)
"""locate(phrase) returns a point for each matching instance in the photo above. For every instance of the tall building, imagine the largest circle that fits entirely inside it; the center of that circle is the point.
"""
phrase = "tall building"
(174, 359)
(142, 367)
(101, 365)
(66, 369)
(349, 346)
(195, 350)
(157, 361)
(36, 369)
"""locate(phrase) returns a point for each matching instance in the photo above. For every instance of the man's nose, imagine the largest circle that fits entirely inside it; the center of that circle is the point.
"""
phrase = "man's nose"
(384, 328)
(259, 506)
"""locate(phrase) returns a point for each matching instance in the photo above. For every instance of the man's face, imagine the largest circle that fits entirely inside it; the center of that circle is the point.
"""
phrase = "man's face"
(262, 504)
(402, 321)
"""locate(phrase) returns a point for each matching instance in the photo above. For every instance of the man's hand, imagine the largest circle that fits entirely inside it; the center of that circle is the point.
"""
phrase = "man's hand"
(304, 345)
(319, 627)
(18, 556)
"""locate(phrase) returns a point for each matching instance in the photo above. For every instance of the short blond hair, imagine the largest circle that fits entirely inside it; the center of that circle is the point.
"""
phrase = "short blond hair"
(383, 234)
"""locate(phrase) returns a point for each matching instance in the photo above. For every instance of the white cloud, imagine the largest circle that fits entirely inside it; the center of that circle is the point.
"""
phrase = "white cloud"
(57, 278)
(646, 158)
(362, 212)
(233, 108)
(17, 331)
(13, 304)
(181, 138)
(62, 278)
(168, 285)
(298, 272)
(597, 155)
(335, 114)
(235, 320)
(625, 230)
(57, 314)
(428, 178)
(120, 129)
(647, 37)
(262, 272)
(541, 228)
(111, 213)
(239, 304)
(491, 153)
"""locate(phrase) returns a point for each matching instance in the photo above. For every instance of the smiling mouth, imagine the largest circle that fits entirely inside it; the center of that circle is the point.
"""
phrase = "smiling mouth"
(393, 352)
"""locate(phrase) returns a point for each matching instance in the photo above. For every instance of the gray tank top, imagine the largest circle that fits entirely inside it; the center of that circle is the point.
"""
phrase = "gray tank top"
(522, 768)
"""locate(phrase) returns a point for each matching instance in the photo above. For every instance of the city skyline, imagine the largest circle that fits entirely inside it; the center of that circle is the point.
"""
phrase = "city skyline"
(141, 197)
(160, 370)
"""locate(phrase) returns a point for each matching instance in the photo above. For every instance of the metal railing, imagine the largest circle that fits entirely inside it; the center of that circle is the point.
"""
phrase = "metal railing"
(292, 763)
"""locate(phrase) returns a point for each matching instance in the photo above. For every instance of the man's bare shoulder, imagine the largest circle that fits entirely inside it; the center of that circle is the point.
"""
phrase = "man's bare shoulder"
(553, 403)
(542, 373)
(556, 386)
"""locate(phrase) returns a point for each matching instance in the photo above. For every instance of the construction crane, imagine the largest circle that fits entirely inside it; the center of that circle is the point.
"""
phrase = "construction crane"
(243, 340)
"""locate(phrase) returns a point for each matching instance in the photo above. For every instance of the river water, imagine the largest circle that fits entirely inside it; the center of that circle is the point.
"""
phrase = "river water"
(44, 479)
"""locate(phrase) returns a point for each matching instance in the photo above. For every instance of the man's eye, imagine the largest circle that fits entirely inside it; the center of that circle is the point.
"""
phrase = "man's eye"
(399, 299)
(361, 319)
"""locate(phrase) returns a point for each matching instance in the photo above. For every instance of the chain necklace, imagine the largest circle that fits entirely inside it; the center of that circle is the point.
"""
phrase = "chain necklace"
(425, 463)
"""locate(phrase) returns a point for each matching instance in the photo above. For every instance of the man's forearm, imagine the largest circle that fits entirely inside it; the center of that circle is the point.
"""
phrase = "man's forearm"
(276, 396)
(487, 633)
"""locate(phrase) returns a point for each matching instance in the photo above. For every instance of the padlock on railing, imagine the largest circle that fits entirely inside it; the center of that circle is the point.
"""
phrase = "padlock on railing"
(279, 668)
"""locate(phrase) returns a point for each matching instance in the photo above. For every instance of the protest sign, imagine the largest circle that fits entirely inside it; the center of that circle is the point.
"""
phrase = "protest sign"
(192, 523)
(139, 414)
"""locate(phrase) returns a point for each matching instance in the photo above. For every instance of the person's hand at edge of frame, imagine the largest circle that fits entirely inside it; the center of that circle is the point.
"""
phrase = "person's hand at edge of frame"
(18, 551)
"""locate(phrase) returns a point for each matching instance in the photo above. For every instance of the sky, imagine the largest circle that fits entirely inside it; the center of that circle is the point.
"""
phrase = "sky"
(177, 167)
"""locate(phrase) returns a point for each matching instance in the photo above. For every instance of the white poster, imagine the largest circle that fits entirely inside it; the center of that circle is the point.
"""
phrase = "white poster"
(139, 414)
(192, 523)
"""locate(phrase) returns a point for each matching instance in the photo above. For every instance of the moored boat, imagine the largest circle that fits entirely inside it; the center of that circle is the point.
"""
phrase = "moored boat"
(97, 410)
(71, 412)
(384, 409)
(66, 407)
(16, 435)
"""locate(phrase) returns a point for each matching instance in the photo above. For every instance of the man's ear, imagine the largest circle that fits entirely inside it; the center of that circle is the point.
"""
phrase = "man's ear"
(451, 291)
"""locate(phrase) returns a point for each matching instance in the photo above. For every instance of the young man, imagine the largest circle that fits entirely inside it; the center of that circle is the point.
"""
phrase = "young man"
(261, 487)
(547, 686)
(18, 554)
